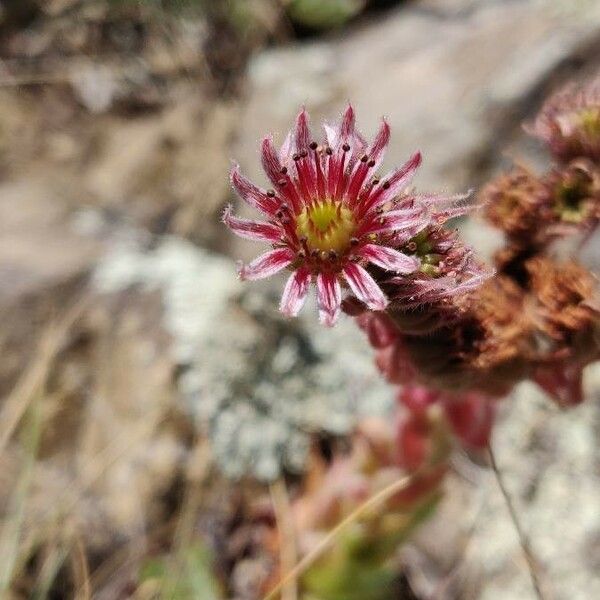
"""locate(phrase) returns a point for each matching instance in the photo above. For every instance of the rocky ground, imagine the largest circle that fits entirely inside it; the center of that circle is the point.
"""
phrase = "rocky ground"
(127, 336)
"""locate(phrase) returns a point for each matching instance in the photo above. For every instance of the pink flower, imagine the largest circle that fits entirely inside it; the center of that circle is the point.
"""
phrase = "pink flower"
(328, 216)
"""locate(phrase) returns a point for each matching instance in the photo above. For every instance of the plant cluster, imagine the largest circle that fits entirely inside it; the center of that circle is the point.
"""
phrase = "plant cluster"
(453, 334)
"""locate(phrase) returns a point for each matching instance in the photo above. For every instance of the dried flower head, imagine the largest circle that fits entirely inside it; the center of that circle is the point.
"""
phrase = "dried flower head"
(574, 193)
(565, 300)
(534, 211)
(518, 204)
(330, 217)
(569, 122)
(486, 348)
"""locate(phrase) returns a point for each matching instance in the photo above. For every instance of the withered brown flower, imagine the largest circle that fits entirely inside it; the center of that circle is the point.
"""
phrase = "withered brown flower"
(565, 301)
(518, 203)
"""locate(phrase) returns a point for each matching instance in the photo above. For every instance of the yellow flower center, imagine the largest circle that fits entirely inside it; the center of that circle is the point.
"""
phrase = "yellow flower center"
(327, 226)
(590, 121)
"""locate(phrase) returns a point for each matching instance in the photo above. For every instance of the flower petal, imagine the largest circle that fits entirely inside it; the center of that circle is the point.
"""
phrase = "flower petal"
(377, 150)
(266, 264)
(371, 160)
(251, 230)
(390, 259)
(364, 287)
(331, 135)
(251, 194)
(395, 221)
(394, 183)
(302, 132)
(347, 124)
(278, 174)
(286, 150)
(329, 296)
(295, 291)
(270, 160)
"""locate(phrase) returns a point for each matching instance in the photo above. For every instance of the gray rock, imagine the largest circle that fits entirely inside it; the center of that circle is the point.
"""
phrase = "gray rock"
(258, 384)
(548, 460)
(454, 80)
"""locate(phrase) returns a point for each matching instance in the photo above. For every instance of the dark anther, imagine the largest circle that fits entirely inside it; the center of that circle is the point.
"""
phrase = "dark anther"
(313, 145)
(386, 185)
(296, 157)
(333, 255)
(279, 214)
(283, 170)
(271, 193)
(281, 182)
(354, 241)
(303, 154)
(379, 210)
(371, 164)
(328, 151)
(375, 181)
(364, 158)
(314, 253)
(346, 147)
(301, 254)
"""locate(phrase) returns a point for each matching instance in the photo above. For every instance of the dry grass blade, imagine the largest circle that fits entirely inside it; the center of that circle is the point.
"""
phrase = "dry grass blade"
(370, 504)
(285, 523)
(10, 537)
(55, 557)
(81, 572)
(532, 563)
(34, 378)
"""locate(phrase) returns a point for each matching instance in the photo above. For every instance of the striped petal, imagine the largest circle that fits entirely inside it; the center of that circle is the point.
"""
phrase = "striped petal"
(364, 287)
(266, 264)
(251, 194)
(389, 259)
(302, 132)
(295, 291)
(278, 174)
(251, 230)
(329, 297)
(367, 163)
(270, 160)
(396, 221)
(377, 150)
(286, 150)
(394, 183)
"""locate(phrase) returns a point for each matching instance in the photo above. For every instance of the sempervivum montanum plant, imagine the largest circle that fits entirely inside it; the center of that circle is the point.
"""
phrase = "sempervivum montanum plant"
(333, 221)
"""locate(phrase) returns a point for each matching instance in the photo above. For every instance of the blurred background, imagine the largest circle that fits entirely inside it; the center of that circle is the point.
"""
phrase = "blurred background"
(147, 397)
